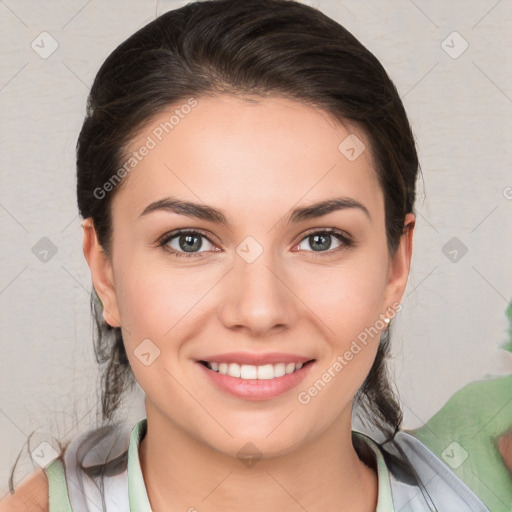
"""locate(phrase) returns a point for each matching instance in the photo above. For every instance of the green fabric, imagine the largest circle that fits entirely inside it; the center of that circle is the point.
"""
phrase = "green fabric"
(473, 418)
(57, 487)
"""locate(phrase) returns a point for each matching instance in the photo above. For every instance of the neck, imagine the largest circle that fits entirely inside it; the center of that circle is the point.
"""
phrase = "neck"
(323, 474)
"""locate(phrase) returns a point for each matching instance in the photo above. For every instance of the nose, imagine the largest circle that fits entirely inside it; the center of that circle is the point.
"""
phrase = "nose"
(258, 297)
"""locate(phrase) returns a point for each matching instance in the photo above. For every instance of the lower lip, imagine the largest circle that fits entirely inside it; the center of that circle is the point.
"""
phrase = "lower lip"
(256, 389)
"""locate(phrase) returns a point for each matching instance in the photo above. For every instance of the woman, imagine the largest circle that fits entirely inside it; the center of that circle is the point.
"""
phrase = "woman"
(246, 175)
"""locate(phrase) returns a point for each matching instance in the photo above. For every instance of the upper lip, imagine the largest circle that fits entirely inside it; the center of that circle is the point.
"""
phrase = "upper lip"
(255, 359)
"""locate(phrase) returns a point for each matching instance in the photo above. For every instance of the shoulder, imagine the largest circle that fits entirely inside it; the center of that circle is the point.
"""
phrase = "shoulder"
(31, 494)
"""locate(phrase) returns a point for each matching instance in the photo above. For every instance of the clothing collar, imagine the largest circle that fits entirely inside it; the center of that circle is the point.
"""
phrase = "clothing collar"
(138, 497)
(384, 495)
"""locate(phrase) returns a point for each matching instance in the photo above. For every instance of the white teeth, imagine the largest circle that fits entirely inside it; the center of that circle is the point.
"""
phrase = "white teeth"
(279, 369)
(234, 370)
(249, 371)
(265, 372)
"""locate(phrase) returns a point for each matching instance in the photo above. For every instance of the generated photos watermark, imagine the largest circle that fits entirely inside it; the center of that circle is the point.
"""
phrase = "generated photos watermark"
(151, 142)
(305, 397)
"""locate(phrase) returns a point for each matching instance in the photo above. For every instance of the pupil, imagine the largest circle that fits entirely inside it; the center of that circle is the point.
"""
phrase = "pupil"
(188, 244)
(325, 245)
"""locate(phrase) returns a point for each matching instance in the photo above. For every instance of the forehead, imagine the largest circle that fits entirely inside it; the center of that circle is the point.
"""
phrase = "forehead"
(247, 152)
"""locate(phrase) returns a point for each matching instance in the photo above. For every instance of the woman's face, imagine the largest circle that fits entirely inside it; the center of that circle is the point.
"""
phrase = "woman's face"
(252, 284)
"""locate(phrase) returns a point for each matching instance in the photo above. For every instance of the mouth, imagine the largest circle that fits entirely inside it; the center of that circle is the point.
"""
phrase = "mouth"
(253, 372)
(255, 382)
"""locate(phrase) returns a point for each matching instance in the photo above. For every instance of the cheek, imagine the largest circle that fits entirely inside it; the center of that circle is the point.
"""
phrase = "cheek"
(154, 302)
(149, 299)
(348, 303)
(352, 327)
(348, 299)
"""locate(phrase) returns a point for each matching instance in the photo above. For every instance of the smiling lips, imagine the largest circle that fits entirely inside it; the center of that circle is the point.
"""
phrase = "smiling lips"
(256, 376)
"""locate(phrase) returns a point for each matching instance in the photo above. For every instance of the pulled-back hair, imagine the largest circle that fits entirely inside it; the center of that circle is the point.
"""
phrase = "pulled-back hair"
(251, 47)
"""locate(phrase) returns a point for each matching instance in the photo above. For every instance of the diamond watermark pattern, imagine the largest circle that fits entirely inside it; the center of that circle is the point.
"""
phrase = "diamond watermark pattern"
(146, 352)
(249, 455)
(249, 249)
(44, 250)
(454, 45)
(44, 454)
(351, 147)
(454, 249)
(454, 455)
(44, 45)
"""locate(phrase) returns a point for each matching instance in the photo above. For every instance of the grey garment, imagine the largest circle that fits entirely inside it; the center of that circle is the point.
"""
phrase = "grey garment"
(421, 482)
(103, 487)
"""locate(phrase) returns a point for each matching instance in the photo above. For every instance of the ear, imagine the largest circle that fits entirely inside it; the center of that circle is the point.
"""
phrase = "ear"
(102, 273)
(399, 264)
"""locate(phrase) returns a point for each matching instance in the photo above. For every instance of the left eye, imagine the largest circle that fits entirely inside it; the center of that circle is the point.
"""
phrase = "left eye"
(321, 241)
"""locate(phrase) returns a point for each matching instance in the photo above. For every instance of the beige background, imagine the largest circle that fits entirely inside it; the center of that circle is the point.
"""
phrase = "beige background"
(460, 106)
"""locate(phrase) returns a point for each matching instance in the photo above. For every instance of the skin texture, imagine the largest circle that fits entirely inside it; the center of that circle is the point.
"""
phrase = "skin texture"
(255, 160)
(30, 495)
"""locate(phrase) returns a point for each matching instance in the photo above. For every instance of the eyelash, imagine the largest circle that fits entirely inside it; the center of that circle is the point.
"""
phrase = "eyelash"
(347, 242)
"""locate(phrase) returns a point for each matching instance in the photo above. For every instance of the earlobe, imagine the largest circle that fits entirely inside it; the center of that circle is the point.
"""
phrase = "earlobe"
(102, 275)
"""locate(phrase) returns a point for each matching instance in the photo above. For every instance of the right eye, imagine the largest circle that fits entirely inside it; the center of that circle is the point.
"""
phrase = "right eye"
(186, 243)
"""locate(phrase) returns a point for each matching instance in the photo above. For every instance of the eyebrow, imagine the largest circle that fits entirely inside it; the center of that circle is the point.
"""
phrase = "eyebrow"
(205, 212)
